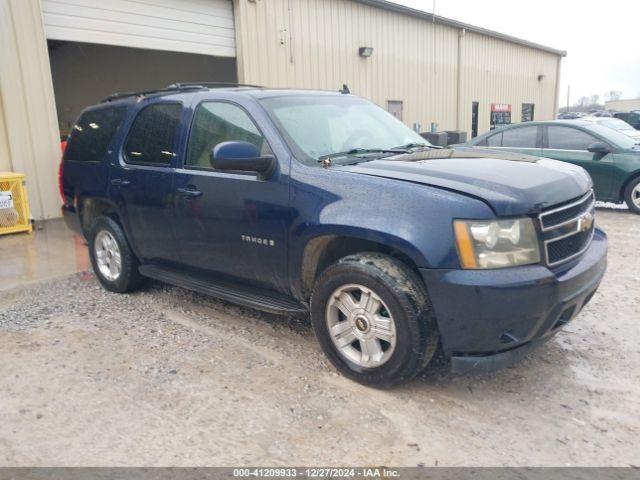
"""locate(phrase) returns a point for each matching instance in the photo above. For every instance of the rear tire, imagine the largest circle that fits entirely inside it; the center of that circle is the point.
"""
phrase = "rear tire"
(632, 195)
(112, 260)
(372, 317)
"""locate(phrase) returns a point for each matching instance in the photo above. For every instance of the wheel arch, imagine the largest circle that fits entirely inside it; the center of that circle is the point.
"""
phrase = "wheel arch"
(324, 249)
(90, 207)
(633, 176)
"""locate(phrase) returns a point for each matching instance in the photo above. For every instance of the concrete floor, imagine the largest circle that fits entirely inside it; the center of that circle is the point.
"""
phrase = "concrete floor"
(50, 251)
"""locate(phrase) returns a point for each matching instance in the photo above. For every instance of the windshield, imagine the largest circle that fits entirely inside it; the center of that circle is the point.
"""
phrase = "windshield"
(317, 126)
(618, 139)
(615, 123)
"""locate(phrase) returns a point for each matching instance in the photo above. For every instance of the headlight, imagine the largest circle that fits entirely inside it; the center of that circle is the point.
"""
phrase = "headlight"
(496, 243)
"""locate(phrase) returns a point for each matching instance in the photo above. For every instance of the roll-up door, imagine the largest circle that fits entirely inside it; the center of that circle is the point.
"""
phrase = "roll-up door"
(191, 26)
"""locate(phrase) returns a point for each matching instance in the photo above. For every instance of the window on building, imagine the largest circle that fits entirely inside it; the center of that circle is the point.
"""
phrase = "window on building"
(520, 137)
(217, 122)
(152, 136)
(568, 138)
(527, 112)
(91, 135)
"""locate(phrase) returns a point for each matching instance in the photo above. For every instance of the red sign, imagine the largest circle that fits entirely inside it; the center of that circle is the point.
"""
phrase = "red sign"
(501, 107)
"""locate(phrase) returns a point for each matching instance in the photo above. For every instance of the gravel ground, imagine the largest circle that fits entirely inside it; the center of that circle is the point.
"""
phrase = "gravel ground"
(169, 377)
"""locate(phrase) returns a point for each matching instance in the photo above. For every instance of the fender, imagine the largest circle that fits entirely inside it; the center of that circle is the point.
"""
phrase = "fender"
(412, 219)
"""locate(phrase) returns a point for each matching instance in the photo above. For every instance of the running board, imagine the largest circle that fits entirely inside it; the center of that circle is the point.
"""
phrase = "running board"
(247, 296)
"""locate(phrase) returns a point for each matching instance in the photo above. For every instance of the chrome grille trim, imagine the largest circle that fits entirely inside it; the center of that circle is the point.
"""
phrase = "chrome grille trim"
(583, 199)
(547, 232)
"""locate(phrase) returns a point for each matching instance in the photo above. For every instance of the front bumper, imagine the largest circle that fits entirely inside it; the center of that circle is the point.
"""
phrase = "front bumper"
(489, 319)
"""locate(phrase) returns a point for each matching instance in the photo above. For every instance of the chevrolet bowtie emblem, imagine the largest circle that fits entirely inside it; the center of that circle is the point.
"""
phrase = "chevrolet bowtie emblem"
(585, 222)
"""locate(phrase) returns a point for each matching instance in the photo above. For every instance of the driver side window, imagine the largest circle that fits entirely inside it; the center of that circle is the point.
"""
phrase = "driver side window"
(217, 122)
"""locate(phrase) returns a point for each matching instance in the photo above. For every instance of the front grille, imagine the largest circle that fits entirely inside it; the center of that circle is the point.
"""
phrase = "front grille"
(565, 247)
(568, 230)
(559, 216)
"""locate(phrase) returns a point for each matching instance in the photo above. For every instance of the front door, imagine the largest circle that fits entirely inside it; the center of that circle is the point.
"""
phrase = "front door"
(233, 224)
(141, 181)
(394, 107)
(570, 144)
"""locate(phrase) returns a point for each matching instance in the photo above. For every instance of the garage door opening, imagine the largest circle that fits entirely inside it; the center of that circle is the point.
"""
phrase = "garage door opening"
(85, 73)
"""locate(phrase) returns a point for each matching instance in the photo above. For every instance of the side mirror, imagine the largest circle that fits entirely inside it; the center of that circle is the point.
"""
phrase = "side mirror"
(599, 147)
(242, 157)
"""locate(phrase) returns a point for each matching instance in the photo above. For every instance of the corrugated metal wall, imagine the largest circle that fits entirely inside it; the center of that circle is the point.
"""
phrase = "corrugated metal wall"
(314, 44)
(622, 105)
(496, 71)
(30, 124)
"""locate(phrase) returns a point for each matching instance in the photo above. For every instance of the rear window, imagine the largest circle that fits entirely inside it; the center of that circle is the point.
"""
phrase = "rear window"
(92, 133)
(520, 137)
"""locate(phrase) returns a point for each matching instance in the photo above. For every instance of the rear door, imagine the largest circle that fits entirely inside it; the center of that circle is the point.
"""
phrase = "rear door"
(525, 139)
(522, 139)
(569, 144)
(142, 180)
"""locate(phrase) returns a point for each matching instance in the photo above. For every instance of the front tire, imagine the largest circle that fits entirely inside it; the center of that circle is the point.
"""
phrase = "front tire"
(372, 317)
(632, 195)
(112, 260)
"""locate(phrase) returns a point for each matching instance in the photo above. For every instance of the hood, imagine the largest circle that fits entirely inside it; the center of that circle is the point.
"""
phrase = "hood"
(511, 184)
(635, 134)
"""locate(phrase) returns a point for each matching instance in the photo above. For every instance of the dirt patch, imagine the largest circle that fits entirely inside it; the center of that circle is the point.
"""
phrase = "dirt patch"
(170, 377)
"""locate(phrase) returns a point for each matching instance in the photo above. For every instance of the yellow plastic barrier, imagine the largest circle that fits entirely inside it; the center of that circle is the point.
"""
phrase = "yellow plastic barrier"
(14, 204)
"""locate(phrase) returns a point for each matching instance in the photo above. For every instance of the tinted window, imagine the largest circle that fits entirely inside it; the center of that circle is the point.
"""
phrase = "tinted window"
(567, 138)
(495, 140)
(91, 135)
(217, 122)
(524, 137)
(527, 112)
(152, 136)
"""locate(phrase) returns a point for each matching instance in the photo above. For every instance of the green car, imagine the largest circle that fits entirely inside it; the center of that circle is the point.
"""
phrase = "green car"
(611, 158)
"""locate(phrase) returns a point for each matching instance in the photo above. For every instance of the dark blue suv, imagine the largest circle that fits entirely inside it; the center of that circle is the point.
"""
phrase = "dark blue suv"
(309, 201)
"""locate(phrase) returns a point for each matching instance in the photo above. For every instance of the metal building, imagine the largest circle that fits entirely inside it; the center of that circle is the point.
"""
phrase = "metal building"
(622, 105)
(57, 56)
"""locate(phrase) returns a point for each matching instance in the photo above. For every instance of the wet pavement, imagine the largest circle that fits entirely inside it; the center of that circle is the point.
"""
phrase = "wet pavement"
(50, 251)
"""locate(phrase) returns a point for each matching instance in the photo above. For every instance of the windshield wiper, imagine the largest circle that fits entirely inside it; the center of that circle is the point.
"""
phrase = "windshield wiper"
(409, 146)
(362, 151)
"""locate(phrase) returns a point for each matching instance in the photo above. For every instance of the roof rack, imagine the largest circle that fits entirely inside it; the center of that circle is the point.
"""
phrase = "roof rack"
(176, 88)
(170, 89)
(212, 85)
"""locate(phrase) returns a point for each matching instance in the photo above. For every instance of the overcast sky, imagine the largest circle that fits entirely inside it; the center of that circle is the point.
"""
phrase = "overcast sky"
(602, 38)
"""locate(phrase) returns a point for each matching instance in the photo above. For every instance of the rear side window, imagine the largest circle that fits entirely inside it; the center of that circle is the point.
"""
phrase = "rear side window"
(567, 138)
(91, 135)
(523, 137)
(153, 133)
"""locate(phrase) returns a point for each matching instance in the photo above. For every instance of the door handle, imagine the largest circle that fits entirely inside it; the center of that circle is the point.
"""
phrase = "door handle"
(119, 182)
(190, 192)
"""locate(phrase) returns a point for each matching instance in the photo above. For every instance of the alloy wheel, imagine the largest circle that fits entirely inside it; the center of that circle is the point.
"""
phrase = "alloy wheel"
(361, 326)
(108, 255)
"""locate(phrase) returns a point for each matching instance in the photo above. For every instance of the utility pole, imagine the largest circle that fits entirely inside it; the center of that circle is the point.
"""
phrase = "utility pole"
(568, 94)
